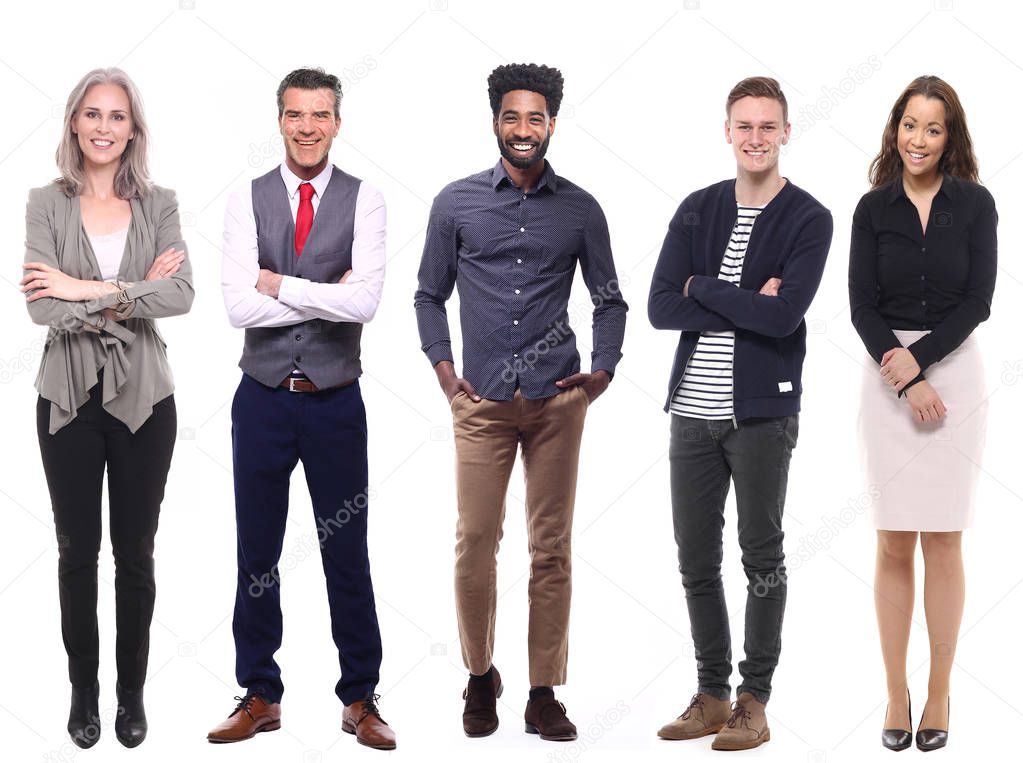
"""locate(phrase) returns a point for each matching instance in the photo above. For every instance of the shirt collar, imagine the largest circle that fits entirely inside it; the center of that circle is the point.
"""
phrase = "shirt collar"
(949, 189)
(293, 181)
(548, 178)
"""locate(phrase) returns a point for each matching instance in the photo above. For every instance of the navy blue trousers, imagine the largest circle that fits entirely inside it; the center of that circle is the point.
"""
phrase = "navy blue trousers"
(272, 430)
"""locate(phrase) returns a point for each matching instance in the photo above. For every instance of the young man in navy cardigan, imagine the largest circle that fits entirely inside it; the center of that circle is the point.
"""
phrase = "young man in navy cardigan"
(739, 267)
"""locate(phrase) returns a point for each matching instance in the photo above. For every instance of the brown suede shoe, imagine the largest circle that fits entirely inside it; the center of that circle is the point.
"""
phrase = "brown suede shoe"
(252, 715)
(362, 718)
(546, 716)
(479, 718)
(705, 715)
(746, 728)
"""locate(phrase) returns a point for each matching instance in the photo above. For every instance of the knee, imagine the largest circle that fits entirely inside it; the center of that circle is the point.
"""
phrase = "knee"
(896, 548)
(700, 574)
(941, 548)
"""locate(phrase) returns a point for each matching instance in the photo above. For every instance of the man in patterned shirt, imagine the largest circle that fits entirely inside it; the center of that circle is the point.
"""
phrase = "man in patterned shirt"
(509, 238)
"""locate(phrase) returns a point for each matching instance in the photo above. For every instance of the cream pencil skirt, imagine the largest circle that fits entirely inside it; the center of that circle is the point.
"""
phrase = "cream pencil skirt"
(925, 475)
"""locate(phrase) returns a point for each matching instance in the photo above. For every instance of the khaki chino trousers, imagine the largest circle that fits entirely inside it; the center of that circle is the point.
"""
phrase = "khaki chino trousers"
(487, 437)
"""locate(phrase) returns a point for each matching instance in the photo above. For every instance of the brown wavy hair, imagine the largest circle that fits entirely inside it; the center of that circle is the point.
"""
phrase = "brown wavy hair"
(957, 159)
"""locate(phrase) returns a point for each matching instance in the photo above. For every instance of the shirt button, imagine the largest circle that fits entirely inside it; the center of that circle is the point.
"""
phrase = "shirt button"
(923, 278)
(923, 249)
(523, 197)
(923, 302)
(516, 291)
(298, 337)
(515, 323)
(519, 261)
(522, 230)
(515, 354)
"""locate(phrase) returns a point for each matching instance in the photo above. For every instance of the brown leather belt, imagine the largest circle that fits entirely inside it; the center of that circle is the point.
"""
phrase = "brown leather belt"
(304, 385)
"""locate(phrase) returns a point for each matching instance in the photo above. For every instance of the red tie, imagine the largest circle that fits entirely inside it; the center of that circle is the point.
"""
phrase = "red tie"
(304, 220)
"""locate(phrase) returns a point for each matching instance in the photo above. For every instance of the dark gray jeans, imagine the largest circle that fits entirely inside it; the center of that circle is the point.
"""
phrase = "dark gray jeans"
(705, 456)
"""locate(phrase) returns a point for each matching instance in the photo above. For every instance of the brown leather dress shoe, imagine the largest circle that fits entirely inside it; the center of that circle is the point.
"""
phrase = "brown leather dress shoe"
(546, 716)
(362, 718)
(479, 718)
(746, 728)
(252, 715)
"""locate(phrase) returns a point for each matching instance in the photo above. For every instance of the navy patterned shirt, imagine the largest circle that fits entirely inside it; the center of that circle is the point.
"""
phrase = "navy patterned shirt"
(512, 256)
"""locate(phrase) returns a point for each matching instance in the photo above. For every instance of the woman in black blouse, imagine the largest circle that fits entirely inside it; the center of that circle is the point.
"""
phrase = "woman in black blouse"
(921, 275)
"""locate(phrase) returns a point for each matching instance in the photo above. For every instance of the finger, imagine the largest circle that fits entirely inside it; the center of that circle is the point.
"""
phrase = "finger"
(469, 390)
(38, 266)
(571, 381)
(38, 295)
(900, 385)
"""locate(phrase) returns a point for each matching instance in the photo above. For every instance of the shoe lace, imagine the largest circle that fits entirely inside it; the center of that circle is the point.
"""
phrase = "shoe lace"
(696, 701)
(369, 707)
(739, 713)
(245, 703)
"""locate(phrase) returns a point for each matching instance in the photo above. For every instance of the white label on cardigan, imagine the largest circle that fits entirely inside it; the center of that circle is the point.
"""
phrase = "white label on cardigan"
(785, 386)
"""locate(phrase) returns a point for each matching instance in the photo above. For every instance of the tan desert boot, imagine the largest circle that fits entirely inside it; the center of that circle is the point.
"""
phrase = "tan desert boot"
(705, 715)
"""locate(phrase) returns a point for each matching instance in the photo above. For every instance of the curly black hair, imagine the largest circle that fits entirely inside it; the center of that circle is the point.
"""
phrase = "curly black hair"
(537, 78)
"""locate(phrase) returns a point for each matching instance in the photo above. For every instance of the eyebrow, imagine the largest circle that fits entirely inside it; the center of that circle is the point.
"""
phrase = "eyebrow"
(936, 124)
(97, 108)
(770, 122)
(506, 112)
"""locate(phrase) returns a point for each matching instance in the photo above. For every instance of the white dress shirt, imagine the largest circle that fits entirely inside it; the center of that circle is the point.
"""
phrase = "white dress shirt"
(300, 299)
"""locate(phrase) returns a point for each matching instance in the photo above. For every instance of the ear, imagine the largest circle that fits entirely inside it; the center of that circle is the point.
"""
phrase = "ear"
(495, 127)
(728, 132)
(337, 126)
(550, 125)
(785, 135)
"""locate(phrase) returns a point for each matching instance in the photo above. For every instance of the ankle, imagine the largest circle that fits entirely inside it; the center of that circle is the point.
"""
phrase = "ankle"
(536, 692)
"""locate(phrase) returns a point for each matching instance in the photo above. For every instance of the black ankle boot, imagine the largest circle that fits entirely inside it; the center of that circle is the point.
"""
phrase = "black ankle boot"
(130, 726)
(83, 721)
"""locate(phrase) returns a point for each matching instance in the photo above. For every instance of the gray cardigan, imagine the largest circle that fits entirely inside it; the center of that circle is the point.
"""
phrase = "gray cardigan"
(132, 353)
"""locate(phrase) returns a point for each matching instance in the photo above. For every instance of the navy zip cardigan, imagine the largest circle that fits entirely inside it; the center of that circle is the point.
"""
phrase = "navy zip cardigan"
(790, 240)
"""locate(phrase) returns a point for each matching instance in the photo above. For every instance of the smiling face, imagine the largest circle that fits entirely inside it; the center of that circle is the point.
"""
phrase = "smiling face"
(103, 124)
(523, 128)
(922, 136)
(757, 130)
(308, 126)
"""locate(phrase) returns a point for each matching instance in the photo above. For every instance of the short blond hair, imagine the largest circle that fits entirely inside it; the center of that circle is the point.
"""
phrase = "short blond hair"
(758, 87)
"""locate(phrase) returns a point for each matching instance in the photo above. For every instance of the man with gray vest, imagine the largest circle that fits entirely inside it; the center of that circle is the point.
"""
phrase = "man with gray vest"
(303, 269)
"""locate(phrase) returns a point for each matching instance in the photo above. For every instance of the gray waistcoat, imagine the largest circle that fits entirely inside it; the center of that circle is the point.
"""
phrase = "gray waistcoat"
(326, 351)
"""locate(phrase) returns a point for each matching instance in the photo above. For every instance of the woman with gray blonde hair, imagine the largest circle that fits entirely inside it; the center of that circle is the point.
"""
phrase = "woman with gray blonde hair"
(103, 259)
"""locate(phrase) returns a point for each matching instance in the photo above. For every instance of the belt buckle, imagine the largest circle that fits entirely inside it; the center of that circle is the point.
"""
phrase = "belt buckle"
(291, 384)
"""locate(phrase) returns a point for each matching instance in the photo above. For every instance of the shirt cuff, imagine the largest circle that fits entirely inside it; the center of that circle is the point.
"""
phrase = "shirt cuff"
(292, 291)
(439, 352)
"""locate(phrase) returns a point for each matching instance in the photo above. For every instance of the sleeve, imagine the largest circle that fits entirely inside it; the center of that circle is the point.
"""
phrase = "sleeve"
(356, 300)
(873, 329)
(437, 272)
(975, 306)
(801, 273)
(666, 307)
(246, 307)
(164, 297)
(609, 308)
(40, 246)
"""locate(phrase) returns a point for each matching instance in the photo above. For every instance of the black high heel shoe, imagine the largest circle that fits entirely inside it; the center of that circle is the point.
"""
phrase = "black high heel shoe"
(899, 739)
(131, 725)
(83, 720)
(932, 739)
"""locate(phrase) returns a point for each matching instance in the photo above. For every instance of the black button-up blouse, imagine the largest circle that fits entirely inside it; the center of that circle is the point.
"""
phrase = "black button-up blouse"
(941, 280)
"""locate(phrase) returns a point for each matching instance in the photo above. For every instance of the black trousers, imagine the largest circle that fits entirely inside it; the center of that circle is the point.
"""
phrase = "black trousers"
(705, 457)
(74, 459)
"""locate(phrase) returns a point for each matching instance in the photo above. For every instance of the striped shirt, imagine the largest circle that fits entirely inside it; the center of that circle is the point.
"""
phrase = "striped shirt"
(705, 391)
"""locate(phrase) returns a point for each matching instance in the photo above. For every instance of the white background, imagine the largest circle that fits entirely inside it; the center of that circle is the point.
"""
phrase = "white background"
(641, 126)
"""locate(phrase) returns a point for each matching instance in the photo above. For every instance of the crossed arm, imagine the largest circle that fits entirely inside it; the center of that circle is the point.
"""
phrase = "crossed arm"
(258, 297)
